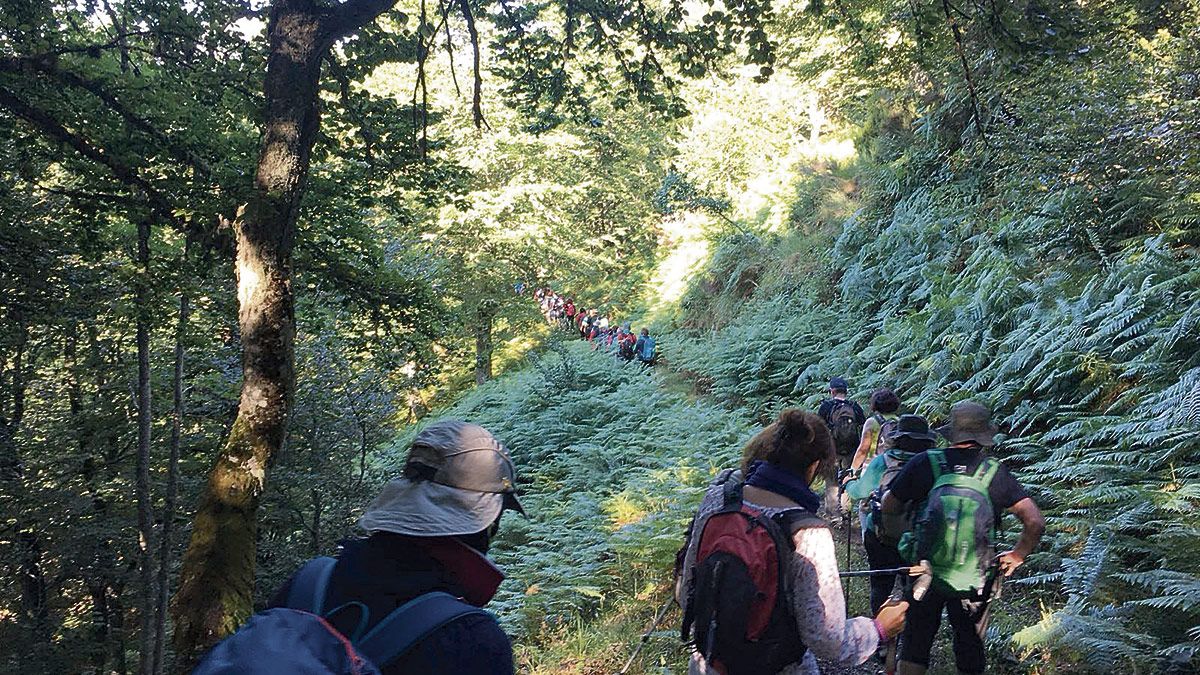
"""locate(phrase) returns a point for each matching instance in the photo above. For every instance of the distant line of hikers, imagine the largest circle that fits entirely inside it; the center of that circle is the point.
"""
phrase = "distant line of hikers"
(595, 327)
(757, 577)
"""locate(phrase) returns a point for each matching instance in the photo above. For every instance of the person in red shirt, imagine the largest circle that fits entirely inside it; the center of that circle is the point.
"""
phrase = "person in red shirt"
(569, 311)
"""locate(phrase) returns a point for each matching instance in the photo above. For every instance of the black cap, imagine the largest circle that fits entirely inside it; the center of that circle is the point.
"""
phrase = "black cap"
(839, 384)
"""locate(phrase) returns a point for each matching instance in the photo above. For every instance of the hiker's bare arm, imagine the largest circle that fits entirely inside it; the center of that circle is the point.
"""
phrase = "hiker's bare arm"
(1034, 524)
(870, 428)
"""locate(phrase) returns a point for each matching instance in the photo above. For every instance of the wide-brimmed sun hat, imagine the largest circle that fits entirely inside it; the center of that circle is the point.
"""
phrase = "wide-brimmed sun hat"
(970, 421)
(458, 478)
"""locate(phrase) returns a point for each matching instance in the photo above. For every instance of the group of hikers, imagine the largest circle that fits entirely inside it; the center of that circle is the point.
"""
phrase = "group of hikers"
(596, 327)
(757, 577)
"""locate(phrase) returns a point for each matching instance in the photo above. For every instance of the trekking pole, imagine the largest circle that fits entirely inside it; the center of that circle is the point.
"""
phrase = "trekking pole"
(841, 491)
(646, 636)
(913, 570)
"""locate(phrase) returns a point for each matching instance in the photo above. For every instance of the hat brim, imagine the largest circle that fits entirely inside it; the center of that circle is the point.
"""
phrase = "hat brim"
(428, 509)
(915, 435)
(986, 438)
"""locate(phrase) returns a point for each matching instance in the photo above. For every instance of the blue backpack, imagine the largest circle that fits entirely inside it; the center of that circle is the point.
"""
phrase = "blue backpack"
(298, 640)
(647, 353)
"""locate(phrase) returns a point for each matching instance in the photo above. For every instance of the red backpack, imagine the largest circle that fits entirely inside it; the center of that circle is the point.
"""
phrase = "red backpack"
(738, 616)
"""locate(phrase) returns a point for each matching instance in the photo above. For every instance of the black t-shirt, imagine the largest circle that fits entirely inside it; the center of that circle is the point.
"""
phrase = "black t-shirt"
(916, 479)
(826, 410)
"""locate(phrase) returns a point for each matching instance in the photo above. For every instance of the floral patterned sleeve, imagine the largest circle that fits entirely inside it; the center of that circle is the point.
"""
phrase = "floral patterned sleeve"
(819, 606)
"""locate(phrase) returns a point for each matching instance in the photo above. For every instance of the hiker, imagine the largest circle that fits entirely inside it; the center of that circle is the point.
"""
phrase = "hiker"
(569, 312)
(881, 533)
(644, 348)
(625, 343)
(962, 475)
(845, 419)
(745, 613)
(877, 429)
(428, 532)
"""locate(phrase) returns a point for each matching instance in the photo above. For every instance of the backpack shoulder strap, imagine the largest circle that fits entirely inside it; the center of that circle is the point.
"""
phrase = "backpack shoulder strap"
(800, 519)
(731, 493)
(987, 471)
(408, 624)
(310, 585)
(937, 463)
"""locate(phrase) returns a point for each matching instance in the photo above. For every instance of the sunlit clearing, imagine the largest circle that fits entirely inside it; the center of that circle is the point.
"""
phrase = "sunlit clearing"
(683, 236)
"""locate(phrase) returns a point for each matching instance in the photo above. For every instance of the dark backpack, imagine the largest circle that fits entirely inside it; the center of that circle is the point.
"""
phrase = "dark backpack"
(298, 639)
(957, 527)
(626, 349)
(886, 427)
(738, 615)
(889, 527)
(844, 425)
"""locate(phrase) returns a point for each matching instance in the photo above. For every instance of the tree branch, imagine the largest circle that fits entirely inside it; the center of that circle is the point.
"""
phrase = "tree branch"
(477, 96)
(158, 202)
(97, 89)
(354, 14)
(449, 45)
(962, 58)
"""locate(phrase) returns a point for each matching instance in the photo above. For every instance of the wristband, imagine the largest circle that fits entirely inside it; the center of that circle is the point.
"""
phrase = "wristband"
(883, 637)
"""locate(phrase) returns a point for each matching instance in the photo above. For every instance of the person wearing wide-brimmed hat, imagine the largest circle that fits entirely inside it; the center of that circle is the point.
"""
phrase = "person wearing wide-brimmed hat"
(881, 532)
(429, 530)
(970, 433)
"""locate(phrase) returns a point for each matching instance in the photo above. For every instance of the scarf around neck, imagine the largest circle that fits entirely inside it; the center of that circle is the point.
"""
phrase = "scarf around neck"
(782, 482)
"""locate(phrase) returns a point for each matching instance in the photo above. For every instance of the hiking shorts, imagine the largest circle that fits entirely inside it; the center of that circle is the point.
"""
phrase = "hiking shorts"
(922, 623)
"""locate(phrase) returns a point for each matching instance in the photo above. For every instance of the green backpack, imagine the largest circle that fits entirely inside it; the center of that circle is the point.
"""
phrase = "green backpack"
(957, 527)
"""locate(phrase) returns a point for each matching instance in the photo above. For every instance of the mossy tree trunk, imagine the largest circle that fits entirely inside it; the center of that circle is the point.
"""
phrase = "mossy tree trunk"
(217, 577)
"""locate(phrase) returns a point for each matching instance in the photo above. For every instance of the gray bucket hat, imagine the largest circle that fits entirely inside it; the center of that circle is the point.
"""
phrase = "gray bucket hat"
(457, 480)
(970, 421)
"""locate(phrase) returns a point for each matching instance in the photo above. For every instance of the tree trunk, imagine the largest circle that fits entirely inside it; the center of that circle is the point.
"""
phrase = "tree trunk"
(316, 522)
(172, 491)
(484, 318)
(217, 579)
(144, 506)
(117, 651)
(100, 625)
(33, 609)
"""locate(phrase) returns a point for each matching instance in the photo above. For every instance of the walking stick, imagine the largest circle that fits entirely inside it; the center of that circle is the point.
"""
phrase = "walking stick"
(646, 636)
(849, 517)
